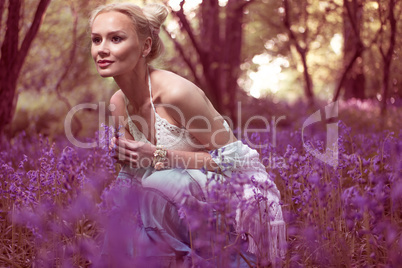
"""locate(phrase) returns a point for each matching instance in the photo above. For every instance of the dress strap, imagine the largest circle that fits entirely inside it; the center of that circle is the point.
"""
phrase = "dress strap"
(126, 104)
(150, 91)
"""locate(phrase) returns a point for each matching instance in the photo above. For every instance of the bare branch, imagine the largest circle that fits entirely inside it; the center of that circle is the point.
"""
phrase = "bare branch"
(187, 27)
(69, 65)
(71, 59)
(33, 30)
(306, 28)
(347, 69)
(302, 53)
(379, 32)
(351, 18)
(187, 60)
(287, 24)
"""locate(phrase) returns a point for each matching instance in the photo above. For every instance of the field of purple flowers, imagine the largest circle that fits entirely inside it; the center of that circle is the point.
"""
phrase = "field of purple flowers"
(54, 213)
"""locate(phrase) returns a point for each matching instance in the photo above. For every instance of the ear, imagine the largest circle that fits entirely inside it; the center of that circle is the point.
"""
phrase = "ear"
(147, 46)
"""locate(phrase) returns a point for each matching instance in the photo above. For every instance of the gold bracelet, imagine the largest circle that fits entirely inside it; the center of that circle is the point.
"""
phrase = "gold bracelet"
(159, 158)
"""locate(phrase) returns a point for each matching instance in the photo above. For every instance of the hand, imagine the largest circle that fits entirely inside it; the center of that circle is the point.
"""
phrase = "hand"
(135, 153)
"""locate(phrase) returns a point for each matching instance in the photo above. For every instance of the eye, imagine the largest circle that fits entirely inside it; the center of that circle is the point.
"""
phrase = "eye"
(96, 40)
(116, 39)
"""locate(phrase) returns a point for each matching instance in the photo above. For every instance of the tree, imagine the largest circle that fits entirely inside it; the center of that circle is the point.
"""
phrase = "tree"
(379, 33)
(217, 44)
(352, 79)
(13, 55)
(387, 55)
(59, 72)
(354, 83)
(302, 46)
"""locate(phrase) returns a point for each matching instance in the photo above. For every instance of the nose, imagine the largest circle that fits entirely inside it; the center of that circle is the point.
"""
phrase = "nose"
(103, 49)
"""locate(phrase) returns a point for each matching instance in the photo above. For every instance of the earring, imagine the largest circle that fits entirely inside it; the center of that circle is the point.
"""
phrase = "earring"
(143, 56)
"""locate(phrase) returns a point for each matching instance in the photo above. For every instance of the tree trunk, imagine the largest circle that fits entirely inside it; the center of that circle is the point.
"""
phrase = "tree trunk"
(345, 73)
(12, 57)
(308, 87)
(218, 48)
(302, 51)
(354, 81)
(232, 56)
(387, 58)
(208, 78)
(8, 70)
(210, 34)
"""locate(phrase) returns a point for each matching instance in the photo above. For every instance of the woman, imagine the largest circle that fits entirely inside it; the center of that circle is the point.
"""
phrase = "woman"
(170, 132)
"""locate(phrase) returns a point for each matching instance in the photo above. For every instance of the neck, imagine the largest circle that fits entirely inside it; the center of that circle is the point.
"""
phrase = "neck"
(135, 86)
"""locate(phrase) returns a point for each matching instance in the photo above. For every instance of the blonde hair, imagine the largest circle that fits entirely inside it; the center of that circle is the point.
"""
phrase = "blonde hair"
(147, 22)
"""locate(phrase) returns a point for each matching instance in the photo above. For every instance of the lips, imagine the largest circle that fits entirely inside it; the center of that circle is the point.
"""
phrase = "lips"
(104, 63)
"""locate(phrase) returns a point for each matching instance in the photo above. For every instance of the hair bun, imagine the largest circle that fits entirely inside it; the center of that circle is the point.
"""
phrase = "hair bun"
(156, 15)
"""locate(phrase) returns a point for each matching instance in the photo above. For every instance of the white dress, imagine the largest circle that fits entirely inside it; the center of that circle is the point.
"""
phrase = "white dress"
(168, 196)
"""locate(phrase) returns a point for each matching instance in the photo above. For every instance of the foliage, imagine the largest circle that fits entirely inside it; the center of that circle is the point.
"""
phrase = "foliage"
(344, 216)
(14, 50)
(263, 34)
(58, 72)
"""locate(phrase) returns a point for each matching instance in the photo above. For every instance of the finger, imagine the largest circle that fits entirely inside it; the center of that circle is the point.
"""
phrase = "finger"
(112, 143)
(128, 152)
(130, 144)
(122, 143)
(122, 140)
(119, 148)
(132, 156)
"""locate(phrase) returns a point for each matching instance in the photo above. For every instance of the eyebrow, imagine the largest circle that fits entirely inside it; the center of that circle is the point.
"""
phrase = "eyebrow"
(111, 33)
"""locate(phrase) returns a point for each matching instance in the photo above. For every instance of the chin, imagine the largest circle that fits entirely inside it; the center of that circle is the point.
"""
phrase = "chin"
(105, 74)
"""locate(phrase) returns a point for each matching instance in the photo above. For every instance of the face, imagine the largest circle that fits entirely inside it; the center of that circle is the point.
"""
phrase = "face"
(116, 48)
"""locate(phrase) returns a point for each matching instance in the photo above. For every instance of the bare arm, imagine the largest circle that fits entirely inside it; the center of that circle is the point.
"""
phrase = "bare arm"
(193, 111)
(139, 154)
(119, 115)
(198, 116)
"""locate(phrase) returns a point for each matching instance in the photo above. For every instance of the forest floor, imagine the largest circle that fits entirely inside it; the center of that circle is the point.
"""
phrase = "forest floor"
(342, 204)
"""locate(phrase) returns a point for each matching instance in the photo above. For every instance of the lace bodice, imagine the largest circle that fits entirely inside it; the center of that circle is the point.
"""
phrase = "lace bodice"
(170, 136)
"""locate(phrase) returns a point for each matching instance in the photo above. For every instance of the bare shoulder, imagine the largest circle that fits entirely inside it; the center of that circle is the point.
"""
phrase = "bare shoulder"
(117, 103)
(117, 97)
(175, 89)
